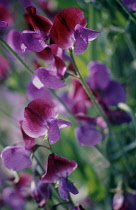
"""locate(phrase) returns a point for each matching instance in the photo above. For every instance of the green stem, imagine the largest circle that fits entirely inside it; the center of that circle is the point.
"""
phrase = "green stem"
(126, 10)
(15, 55)
(88, 91)
(92, 24)
(130, 45)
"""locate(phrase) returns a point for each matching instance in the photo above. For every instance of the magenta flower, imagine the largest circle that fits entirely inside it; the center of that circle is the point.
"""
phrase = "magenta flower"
(69, 30)
(57, 171)
(40, 119)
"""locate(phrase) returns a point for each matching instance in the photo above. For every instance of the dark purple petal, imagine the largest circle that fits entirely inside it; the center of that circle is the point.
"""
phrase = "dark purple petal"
(41, 193)
(29, 141)
(78, 208)
(53, 131)
(86, 135)
(130, 4)
(114, 93)
(38, 22)
(68, 185)
(63, 192)
(99, 76)
(35, 93)
(62, 32)
(58, 167)
(82, 36)
(16, 157)
(63, 123)
(3, 24)
(33, 41)
(118, 117)
(46, 78)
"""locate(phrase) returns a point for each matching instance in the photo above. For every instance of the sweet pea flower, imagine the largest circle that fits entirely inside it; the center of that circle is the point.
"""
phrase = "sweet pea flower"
(17, 158)
(48, 78)
(69, 30)
(57, 171)
(87, 133)
(34, 93)
(40, 118)
(130, 4)
(41, 192)
(126, 201)
(107, 92)
(13, 199)
(3, 24)
(35, 39)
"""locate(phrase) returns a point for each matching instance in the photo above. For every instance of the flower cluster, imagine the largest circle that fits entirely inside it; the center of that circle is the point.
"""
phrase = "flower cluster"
(93, 103)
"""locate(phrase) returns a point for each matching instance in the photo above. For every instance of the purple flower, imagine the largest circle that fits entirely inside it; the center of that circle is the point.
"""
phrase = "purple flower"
(12, 156)
(41, 192)
(130, 4)
(35, 93)
(33, 41)
(13, 199)
(78, 208)
(114, 94)
(54, 56)
(16, 157)
(40, 119)
(99, 76)
(15, 41)
(44, 77)
(126, 201)
(57, 171)
(69, 30)
(86, 133)
(3, 24)
(75, 97)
